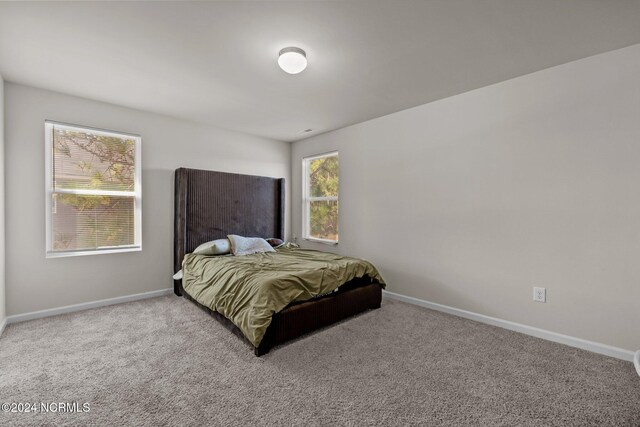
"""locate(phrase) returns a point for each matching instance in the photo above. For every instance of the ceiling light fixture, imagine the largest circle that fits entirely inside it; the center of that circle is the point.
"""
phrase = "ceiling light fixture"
(292, 60)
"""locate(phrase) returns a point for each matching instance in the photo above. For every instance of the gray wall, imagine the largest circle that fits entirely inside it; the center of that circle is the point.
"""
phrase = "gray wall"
(36, 283)
(472, 200)
(3, 311)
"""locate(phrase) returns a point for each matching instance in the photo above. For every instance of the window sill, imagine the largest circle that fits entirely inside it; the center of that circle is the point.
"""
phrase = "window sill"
(323, 241)
(93, 252)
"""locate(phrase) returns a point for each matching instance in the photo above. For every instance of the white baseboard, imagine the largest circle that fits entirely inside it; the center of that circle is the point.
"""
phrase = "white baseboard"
(3, 325)
(595, 347)
(85, 306)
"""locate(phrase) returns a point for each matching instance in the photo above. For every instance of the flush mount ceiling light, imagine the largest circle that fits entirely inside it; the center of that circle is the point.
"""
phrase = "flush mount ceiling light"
(292, 60)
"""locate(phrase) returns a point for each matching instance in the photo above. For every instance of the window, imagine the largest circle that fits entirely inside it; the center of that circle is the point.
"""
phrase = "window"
(93, 193)
(320, 198)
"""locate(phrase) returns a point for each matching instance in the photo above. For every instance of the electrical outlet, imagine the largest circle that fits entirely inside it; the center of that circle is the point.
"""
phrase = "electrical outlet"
(539, 294)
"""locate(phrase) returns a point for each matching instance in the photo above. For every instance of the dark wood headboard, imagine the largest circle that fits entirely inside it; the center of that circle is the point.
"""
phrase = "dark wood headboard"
(210, 205)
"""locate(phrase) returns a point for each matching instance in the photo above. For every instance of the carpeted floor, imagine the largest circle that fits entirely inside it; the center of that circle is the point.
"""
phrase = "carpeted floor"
(165, 362)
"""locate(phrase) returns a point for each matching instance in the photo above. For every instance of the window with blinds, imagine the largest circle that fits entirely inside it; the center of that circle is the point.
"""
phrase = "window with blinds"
(320, 197)
(93, 191)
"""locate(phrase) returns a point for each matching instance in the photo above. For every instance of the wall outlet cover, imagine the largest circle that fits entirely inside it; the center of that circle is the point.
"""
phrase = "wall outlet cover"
(539, 294)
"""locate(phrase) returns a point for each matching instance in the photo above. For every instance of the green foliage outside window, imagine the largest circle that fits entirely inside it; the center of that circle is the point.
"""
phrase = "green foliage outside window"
(323, 182)
(85, 161)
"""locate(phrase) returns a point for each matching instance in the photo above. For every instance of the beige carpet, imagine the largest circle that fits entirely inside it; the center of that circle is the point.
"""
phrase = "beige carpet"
(165, 362)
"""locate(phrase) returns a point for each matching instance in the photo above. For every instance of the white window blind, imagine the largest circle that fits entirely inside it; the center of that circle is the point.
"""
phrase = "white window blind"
(93, 191)
(320, 197)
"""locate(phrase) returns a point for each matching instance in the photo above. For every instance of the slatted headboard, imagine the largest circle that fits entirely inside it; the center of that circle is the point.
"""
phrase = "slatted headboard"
(210, 205)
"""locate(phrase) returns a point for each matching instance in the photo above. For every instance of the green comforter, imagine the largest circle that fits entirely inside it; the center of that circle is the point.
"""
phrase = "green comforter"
(249, 289)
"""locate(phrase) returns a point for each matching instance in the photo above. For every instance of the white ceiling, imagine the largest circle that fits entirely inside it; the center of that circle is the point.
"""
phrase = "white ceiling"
(215, 62)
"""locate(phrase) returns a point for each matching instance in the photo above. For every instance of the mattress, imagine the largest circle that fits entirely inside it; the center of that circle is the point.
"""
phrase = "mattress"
(248, 290)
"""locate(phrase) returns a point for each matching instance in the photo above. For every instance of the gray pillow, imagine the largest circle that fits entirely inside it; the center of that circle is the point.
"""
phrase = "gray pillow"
(248, 245)
(214, 247)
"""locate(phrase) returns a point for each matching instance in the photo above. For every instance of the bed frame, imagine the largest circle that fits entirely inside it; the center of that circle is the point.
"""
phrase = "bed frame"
(210, 205)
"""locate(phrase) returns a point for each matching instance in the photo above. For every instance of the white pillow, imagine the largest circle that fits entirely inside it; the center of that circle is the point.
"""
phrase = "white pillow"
(248, 245)
(178, 275)
(214, 247)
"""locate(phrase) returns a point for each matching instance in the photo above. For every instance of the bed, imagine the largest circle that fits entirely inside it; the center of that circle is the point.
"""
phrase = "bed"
(210, 205)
